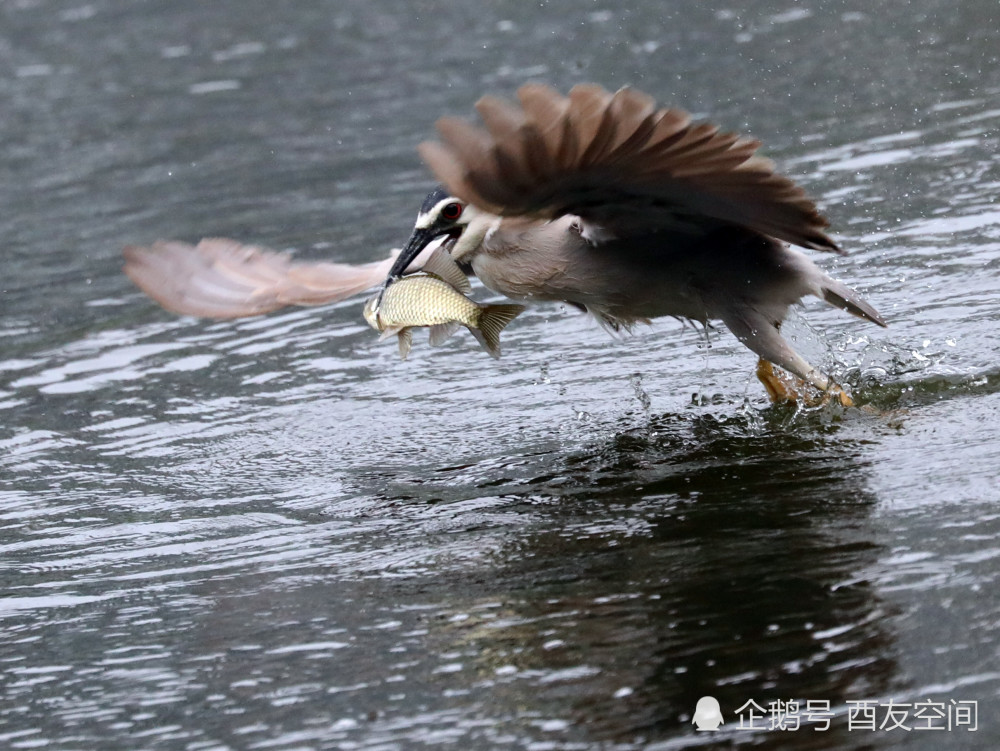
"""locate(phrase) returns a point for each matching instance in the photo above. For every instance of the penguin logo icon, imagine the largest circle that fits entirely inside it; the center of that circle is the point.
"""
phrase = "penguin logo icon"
(707, 714)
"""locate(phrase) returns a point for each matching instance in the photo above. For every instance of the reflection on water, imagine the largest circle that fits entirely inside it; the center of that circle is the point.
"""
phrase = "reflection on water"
(689, 593)
(272, 534)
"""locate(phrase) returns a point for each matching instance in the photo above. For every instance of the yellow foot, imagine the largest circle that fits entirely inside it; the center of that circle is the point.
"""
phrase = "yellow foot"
(783, 388)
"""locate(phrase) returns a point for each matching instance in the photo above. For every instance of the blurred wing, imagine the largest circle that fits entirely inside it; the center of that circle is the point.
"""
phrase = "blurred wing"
(619, 163)
(219, 278)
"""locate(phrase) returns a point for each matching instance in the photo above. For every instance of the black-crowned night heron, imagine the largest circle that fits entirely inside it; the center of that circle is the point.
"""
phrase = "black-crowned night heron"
(599, 200)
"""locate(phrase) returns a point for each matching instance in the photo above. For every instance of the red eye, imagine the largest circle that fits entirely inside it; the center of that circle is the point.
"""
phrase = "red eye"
(452, 211)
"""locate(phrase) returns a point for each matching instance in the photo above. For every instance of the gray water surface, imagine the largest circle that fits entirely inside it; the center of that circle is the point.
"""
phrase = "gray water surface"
(273, 534)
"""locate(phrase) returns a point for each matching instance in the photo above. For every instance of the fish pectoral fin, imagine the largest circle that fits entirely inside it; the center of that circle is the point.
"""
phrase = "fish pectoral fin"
(405, 340)
(390, 331)
(444, 267)
(493, 320)
(405, 336)
(440, 332)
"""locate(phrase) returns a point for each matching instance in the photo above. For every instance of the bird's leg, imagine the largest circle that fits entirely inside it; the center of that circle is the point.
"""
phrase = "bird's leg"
(784, 388)
(763, 338)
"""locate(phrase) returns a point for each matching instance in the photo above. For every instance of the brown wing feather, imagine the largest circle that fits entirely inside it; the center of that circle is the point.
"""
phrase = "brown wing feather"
(618, 161)
(547, 109)
(220, 278)
(635, 116)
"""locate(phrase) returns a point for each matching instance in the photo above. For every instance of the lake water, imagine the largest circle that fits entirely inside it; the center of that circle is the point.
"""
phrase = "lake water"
(273, 534)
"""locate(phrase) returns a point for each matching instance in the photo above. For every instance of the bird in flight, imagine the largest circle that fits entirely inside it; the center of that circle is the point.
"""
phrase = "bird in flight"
(600, 200)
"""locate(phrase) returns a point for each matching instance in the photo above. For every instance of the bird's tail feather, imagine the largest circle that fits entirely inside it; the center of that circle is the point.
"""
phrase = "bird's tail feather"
(843, 297)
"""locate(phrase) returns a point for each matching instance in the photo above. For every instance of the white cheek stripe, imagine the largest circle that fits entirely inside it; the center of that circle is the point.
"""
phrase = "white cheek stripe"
(426, 218)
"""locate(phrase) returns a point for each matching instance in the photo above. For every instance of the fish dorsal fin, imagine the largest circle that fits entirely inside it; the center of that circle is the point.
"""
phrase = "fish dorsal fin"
(441, 331)
(443, 266)
(492, 321)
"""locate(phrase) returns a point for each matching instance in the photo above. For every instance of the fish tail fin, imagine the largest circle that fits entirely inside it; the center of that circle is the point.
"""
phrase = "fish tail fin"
(843, 297)
(492, 321)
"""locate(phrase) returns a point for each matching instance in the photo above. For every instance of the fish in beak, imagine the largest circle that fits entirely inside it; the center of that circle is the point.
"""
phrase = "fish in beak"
(435, 297)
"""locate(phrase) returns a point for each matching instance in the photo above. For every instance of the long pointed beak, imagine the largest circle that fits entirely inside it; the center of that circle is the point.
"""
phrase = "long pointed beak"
(419, 240)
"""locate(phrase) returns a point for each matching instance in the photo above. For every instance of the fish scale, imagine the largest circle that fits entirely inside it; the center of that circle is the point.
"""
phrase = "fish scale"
(425, 300)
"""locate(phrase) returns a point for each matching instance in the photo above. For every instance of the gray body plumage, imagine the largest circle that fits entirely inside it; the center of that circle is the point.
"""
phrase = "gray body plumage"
(744, 279)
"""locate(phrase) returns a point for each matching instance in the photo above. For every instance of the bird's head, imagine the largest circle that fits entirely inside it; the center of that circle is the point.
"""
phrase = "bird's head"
(442, 215)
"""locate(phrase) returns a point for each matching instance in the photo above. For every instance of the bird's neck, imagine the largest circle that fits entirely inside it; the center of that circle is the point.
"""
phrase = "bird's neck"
(471, 240)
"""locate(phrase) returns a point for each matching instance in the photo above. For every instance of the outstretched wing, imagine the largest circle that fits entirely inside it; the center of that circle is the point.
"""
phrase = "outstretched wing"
(220, 278)
(620, 163)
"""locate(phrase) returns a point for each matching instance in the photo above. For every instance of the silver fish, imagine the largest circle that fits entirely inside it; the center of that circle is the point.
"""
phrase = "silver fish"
(435, 297)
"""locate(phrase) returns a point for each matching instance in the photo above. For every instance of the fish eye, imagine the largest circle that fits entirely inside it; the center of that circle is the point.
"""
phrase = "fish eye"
(452, 211)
